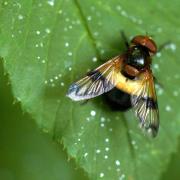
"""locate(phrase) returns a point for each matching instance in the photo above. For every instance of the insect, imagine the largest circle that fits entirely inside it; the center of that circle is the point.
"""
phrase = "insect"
(131, 73)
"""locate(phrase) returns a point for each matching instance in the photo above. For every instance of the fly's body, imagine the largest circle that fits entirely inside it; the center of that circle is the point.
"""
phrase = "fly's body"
(130, 73)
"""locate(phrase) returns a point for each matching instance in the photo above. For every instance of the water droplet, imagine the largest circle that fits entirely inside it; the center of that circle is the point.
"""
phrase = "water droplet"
(160, 91)
(51, 2)
(66, 44)
(89, 18)
(45, 130)
(38, 32)
(65, 29)
(100, 23)
(101, 175)
(67, 19)
(93, 113)
(94, 59)
(41, 44)
(102, 119)
(156, 66)
(118, 8)
(168, 108)
(70, 26)
(139, 21)
(98, 151)
(122, 177)
(117, 162)
(102, 51)
(158, 54)
(5, 3)
(159, 29)
(69, 53)
(175, 93)
(118, 169)
(176, 76)
(106, 157)
(40, 5)
(92, 8)
(102, 124)
(60, 11)
(20, 17)
(123, 13)
(106, 140)
(96, 33)
(171, 46)
(47, 30)
(85, 154)
(88, 119)
(78, 22)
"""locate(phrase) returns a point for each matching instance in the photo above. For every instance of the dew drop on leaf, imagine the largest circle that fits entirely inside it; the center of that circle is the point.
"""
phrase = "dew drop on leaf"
(38, 32)
(117, 162)
(101, 175)
(168, 108)
(93, 113)
(51, 2)
(20, 17)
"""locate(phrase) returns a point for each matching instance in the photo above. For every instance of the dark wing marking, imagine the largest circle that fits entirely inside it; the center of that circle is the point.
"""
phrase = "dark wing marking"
(145, 104)
(97, 82)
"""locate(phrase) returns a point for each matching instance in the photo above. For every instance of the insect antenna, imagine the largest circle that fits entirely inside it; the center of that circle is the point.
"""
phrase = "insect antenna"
(125, 39)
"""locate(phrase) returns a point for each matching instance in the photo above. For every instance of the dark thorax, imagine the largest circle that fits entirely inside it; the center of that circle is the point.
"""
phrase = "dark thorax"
(137, 60)
(138, 57)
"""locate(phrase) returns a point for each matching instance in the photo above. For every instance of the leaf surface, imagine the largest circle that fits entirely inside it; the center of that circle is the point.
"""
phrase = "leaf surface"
(46, 45)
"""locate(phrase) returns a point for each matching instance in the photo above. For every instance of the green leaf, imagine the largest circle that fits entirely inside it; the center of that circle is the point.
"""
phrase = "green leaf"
(173, 167)
(48, 45)
(25, 152)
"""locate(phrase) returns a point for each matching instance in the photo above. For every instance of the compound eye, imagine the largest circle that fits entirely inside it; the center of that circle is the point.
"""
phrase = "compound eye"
(150, 44)
(145, 41)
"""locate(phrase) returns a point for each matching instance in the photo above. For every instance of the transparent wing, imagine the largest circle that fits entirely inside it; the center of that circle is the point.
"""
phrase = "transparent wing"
(97, 82)
(144, 101)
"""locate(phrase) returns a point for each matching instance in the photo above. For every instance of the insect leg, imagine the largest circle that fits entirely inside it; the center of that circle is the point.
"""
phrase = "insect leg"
(157, 82)
(124, 37)
(162, 46)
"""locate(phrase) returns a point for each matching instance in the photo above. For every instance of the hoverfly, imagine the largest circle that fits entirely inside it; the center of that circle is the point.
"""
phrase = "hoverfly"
(131, 73)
